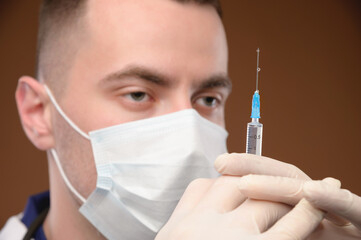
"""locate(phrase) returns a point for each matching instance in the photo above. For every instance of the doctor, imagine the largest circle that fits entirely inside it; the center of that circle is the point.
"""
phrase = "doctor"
(129, 104)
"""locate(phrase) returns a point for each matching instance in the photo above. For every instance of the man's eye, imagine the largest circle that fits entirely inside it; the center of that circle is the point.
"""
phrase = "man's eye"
(138, 96)
(208, 101)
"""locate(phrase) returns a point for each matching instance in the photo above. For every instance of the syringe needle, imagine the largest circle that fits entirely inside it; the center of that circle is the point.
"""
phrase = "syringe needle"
(255, 128)
(258, 68)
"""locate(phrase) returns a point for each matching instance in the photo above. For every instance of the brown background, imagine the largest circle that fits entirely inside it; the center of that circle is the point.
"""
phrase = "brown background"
(310, 88)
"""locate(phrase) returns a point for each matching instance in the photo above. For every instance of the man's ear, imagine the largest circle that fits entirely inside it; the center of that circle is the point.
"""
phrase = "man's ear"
(34, 110)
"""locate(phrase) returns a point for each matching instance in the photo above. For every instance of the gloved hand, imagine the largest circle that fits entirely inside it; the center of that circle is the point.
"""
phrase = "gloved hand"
(215, 209)
(287, 184)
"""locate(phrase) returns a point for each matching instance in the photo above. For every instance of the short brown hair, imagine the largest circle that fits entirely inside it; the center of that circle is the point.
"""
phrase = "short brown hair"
(56, 17)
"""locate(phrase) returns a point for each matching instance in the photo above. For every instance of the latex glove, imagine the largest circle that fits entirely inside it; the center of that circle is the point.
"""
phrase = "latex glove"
(344, 207)
(215, 209)
(288, 191)
(241, 164)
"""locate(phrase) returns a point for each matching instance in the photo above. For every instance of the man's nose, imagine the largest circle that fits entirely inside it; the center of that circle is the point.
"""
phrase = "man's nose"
(179, 102)
(182, 105)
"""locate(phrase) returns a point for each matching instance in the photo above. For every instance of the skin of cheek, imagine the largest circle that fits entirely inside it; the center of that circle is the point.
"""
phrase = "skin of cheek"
(76, 156)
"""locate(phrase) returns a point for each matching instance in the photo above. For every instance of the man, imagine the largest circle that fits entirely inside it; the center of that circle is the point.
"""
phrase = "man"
(106, 63)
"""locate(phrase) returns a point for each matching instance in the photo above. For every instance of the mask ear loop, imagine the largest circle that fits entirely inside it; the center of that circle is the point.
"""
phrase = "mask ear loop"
(53, 151)
(66, 180)
(61, 112)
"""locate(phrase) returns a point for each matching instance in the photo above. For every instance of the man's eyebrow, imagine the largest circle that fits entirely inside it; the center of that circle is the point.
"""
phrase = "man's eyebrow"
(138, 72)
(219, 80)
(153, 76)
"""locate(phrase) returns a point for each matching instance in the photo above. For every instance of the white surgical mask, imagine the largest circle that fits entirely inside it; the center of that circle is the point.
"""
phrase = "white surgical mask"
(143, 169)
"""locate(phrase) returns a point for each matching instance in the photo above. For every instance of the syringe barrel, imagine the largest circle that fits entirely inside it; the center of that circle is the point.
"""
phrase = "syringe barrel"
(254, 137)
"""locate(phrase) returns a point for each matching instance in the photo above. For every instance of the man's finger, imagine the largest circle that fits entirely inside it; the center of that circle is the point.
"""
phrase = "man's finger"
(282, 189)
(259, 215)
(297, 224)
(271, 188)
(223, 196)
(334, 200)
(243, 164)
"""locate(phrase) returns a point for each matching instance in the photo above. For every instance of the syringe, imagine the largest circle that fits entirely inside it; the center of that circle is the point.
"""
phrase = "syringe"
(255, 128)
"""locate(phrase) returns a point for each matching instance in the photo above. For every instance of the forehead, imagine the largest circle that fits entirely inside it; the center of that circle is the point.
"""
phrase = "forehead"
(172, 37)
(146, 14)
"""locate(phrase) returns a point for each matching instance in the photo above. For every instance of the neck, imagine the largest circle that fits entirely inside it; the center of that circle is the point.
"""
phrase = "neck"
(64, 221)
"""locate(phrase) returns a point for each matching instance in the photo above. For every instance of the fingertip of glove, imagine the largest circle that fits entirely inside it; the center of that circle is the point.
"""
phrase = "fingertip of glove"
(326, 183)
(332, 181)
(227, 163)
(316, 190)
(219, 163)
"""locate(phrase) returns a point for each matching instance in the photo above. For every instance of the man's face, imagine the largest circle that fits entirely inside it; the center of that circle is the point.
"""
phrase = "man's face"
(140, 59)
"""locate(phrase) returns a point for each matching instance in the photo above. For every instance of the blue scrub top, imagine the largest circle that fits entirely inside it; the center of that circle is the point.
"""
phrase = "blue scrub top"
(35, 205)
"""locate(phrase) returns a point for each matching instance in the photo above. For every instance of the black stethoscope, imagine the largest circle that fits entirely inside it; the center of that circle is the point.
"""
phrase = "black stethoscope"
(36, 224)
